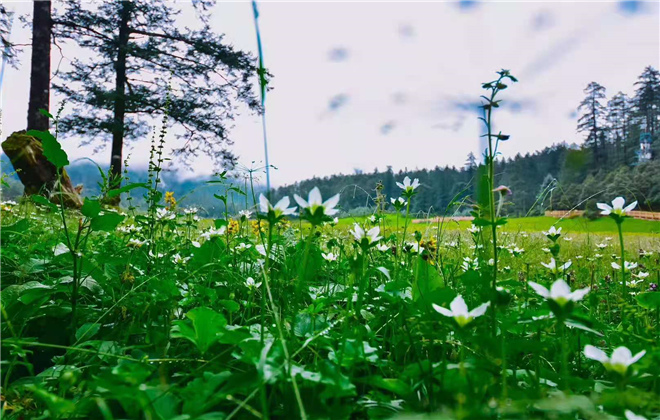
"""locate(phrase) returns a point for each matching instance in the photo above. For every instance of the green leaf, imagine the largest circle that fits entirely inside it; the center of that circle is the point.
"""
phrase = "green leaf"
(87, 331)
(649, 300)
(40, 199)
(91, 208)
(46, 113)
(126, 188)
(52, 149)
(203, 330)
(106, 222)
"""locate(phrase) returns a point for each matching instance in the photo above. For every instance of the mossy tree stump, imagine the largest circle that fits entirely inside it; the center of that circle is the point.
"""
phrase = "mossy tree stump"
(37, 174)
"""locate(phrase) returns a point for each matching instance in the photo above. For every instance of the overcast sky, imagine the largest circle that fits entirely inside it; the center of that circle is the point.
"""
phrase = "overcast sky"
(371, 84)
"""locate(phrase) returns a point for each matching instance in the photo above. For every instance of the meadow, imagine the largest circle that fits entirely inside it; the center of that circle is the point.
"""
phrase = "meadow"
(285, 310)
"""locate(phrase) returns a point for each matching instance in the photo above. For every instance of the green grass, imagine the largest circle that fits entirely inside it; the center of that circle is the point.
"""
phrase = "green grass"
(576, 225)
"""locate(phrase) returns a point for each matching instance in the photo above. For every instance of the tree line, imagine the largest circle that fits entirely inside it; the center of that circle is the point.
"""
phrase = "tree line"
(563, 176)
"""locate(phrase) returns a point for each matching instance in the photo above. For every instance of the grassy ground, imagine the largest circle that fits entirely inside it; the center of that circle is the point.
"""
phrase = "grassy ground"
(537, 224)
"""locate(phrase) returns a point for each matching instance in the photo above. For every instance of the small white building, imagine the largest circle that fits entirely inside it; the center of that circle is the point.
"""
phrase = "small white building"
(644, 153)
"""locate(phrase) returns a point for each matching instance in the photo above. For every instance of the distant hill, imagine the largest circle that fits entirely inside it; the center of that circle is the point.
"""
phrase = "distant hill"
(559, 177)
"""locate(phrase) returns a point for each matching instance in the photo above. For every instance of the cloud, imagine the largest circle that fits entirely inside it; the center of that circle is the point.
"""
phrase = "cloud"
(467, 5)
(542, 21)
(631, 7)
(338, 54)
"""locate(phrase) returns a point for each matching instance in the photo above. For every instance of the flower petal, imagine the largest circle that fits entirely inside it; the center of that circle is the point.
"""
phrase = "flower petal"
(579, 294)
(594, 353)
(443, 311)
(560, 289)
(264, 204)
(458, 306)
(637, 356)
(479, 310)
(539, 289)
(301, 201)
(621, 355)
(617, 203)
(331, 202)
(283, 203)
(630, 207)
(315, 197)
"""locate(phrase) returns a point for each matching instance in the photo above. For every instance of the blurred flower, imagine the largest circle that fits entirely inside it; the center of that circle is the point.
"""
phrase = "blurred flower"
(459, 311)
(315, 203)
(329, 256)
(620, 360)
(280, 209)
(407, 186)
(371, 236)
(632, 416)
(178, 259)
(552, 266)
(245, 214)
(628, 266)
(617, 208)
(242, 247)
(559, 292)
(251, 284)
(214, 233)
(164, 214)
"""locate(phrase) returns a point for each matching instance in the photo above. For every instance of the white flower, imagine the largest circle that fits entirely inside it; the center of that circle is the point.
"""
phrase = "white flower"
(451, 244)
(382, 247)
(157, 255)
(552, 265)
(469, 263)
(459, 311)
(213, 233)
(621, 358)
(195, 244)
(568, 238)
(164, 214)
(247, 213)
(553, 231)
(315, 201)
(281, 208)
(329, 256)
(372, 218)
(135, 242)
(560, 292)
(602, 246)
(335, 221)
(474, 229)
(516, 251)
(371, 235)
(398, 201)
(251, 284)
(632, 416)
(628, 266)
(190, 210)
(617, 207)
(407, 185)
(178, 259)
(641, 275)
(242, 247)
(412, 247)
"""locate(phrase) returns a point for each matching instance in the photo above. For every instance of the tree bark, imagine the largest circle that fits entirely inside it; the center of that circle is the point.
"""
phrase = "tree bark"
(40, 67)
(37, 174)
(120, 93)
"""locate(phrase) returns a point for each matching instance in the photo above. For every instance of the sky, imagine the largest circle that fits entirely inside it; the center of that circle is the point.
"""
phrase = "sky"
(364, 85)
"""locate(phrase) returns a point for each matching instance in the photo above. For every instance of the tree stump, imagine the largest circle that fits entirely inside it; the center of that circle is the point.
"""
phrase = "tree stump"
(37, 174)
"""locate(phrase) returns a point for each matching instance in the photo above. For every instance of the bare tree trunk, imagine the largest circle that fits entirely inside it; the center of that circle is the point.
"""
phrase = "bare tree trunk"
(120, 93)
(40, 70)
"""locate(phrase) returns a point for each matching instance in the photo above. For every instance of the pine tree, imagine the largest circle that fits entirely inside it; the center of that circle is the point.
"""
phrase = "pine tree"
(647, 99)
(619, 119)
(593, 113)
(8, 48)
(145, 64)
